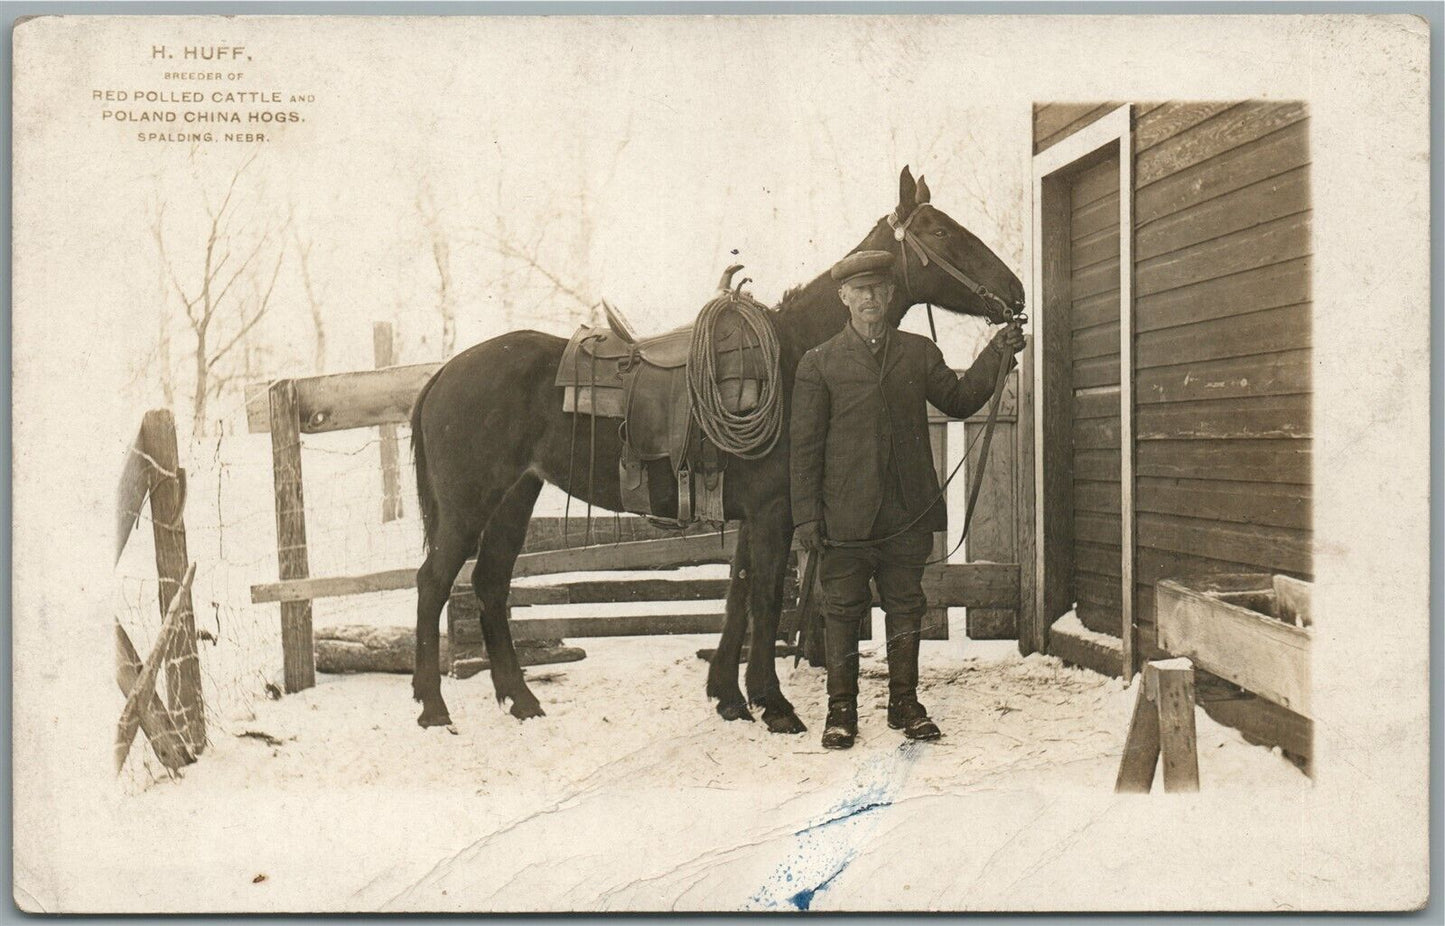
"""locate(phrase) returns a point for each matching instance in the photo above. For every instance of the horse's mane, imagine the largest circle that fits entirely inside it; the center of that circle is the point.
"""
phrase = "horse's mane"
(789, 294)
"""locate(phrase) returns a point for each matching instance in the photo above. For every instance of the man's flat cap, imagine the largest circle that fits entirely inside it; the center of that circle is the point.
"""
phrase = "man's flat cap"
(863, 267)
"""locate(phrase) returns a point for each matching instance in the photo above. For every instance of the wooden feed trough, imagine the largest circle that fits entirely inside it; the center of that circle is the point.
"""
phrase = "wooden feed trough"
(1235, 626)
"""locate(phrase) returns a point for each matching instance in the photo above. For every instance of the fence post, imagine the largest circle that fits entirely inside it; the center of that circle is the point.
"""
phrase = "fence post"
(383, 348)
(935, 620)
(167, 493)
(1030, 627)
(297, 648)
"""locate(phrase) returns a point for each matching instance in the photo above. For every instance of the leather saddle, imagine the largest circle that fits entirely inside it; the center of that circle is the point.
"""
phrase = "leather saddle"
(611, 373)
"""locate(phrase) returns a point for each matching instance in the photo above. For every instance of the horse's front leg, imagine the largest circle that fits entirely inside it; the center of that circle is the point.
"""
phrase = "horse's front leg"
(771, 539)
(722, 673)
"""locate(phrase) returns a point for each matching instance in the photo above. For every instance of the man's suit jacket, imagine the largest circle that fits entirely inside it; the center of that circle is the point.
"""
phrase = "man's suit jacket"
(850, 409)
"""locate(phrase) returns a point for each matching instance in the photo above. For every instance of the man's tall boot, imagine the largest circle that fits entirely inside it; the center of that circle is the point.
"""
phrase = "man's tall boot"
(841, 642)
(904, 712)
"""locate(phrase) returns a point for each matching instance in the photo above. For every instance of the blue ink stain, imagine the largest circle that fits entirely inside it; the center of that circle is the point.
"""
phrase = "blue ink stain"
(830, 844)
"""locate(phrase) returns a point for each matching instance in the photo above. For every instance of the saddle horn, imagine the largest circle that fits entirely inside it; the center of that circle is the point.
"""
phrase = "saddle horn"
(726, 282)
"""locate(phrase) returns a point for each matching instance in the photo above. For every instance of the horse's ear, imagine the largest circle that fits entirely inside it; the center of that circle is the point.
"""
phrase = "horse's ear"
(907, 191)
(922, 193)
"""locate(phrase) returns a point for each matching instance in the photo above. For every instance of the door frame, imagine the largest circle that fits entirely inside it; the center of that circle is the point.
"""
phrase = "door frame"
(1053, 529)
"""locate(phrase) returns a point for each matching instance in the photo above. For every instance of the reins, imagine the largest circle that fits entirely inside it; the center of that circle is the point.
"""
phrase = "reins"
(906, 239)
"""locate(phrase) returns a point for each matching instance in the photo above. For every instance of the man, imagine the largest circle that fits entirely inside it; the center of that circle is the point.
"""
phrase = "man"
(864, 492)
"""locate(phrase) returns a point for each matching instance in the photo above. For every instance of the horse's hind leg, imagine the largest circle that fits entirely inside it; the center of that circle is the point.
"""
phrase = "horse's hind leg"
(449, 552)
(722, 673)
(768, 567)
(492, 579)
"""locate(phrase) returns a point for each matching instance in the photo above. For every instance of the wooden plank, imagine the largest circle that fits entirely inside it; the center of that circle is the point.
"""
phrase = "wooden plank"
(526, 627)
(383, 349)
(1262, 722)
(1099, 341)
(1099, 309)
(1257, 653)
(1128, 260)
(1031, 633)
(130, 496)
(143, 691)
(1260, 202)
(1265, 244)
(156, 723)
(297, 648)
(1101, 278)
(993, 534)
(935, 619)
(1276, 461)
(1095, 433)
(1280, 374)
(1286, 416)
(1283, 505)
(1293, 601)
(1236, 126)
(617, 590)
(1096, 404)
(1097, 465)
(1281, 284)
(1162, 122)
(1273, 548)
(554, 533)
(1054, 454)
(1274, 154)
(1081, 648)
(1267, 332)
(641, 554)
(1097, 247)
(168, 528)
(1155, 565)
(1178, 746)
(1097, 217)
(1097, 372)
(1094, 183)
(363, 399)
(1052, 118)
(1097, 496)
(1057, 121)
(1096, 528)
(1141, 746)
(1098, 558)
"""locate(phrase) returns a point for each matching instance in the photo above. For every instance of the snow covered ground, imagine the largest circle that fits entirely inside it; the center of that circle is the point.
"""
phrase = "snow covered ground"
(633, 794)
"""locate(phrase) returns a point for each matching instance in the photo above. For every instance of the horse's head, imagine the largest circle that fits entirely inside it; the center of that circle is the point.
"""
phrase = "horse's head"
(939, 261)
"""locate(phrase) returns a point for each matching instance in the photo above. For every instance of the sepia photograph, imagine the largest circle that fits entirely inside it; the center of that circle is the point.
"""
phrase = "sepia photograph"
(721, 463)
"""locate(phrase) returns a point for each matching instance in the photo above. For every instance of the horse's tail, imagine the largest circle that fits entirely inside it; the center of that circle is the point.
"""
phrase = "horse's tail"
(426, 500)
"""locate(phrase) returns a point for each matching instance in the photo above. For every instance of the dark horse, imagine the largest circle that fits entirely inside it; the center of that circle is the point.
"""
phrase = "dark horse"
(488, 429)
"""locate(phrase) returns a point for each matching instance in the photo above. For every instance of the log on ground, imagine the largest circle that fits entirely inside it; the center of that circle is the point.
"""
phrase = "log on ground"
(360, 648)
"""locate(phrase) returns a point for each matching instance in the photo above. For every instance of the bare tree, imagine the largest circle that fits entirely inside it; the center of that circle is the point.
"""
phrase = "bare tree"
(441, 256)
(313, 298)
(219, 312)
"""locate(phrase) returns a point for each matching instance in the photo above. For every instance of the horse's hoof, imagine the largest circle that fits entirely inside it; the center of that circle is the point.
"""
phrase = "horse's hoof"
(785, 723)
(523, 711)
(434, 718)
(733, 710)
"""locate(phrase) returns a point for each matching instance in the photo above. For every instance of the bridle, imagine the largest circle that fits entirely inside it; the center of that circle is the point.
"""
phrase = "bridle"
(906, 239)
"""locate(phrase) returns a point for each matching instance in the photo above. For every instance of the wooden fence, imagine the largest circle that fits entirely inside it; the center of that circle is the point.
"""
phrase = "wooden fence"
(176, 729)
(383, 397)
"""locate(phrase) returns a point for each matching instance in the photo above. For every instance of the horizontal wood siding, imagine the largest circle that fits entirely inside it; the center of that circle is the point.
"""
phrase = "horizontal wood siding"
(1094, 347)
(1054, 122)
(1222, 351)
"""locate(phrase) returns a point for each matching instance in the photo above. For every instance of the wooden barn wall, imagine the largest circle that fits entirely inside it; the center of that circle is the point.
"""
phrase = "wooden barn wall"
(1054, 122)
(1222, 353)
(1221, 342)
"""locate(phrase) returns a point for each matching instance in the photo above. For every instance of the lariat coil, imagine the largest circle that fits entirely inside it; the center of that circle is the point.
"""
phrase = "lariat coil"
(747, 434)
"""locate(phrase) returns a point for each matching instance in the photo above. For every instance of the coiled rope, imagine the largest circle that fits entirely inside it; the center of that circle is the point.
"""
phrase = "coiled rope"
(750, 434)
